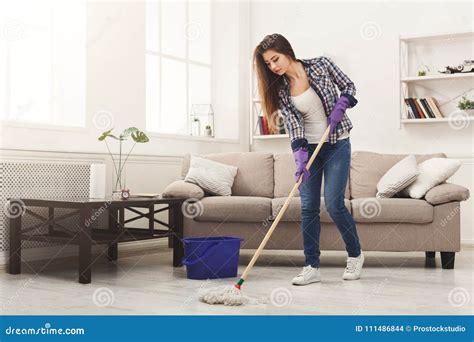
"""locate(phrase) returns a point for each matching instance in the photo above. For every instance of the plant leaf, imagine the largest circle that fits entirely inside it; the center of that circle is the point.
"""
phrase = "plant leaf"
(140, 137)
(127, 132)
(107, 134)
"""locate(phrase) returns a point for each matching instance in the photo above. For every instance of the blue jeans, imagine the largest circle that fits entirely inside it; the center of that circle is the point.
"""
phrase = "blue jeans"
(334, 160)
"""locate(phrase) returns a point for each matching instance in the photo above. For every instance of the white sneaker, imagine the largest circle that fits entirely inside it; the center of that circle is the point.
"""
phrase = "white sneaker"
(354, 267)
(307, 276)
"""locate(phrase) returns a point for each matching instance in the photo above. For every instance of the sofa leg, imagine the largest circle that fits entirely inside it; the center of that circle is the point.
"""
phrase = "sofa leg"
(430, 259)
(447, 260)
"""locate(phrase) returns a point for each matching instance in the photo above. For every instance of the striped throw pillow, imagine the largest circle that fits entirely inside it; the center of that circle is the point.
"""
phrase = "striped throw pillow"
(215, 178)
(398, 177)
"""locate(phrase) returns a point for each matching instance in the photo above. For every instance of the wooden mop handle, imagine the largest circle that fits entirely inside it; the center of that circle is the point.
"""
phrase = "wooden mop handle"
(283, 209)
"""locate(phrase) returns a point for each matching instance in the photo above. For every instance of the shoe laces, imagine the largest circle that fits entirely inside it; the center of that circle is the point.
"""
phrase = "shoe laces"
(305, 271)
(351, 264)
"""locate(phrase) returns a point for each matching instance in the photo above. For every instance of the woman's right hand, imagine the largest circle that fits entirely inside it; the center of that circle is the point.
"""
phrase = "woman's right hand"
(301, 159)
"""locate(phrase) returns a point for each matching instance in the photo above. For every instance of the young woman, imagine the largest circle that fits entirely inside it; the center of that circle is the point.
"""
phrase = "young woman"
(304, 92)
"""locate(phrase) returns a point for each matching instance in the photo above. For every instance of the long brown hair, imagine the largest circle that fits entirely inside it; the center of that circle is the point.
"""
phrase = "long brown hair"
(269, 83)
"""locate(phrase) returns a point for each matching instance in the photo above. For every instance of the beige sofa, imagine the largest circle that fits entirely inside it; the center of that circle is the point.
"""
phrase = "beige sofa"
(264, 180)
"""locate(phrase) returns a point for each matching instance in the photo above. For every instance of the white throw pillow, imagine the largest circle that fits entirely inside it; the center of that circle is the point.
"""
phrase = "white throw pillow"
(216, 178)
(398, 177)
(433, 171)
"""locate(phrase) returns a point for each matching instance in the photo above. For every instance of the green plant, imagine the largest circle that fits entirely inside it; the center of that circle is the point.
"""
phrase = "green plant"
(465, 104)
(196, 119)
(136, 135)
(422, 72)
(208, 126)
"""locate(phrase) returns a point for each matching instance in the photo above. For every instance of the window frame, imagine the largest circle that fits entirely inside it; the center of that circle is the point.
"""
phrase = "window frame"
(186, 60)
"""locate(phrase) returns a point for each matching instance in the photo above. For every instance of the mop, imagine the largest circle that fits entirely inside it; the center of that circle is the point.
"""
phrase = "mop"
(232, 295)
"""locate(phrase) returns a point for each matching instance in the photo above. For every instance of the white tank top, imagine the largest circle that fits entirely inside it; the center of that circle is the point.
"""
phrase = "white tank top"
(315, 120)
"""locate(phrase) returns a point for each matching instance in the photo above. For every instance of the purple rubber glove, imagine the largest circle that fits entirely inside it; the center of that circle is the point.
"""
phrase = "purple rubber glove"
(301, 159)
(337, 113)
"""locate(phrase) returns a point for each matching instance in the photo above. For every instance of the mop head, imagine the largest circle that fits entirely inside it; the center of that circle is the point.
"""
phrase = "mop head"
(227, 295)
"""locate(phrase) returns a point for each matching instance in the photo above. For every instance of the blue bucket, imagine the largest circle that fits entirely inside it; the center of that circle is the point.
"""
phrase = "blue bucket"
(211, 257)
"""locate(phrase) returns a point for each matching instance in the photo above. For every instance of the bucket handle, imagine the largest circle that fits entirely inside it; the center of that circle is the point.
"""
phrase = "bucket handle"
(208, 251)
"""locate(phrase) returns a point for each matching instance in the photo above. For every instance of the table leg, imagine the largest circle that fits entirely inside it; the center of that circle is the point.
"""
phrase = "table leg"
(14, 263)
(112, 252)
(175, 220)
(85, 246)
(151, 219)
(50, 217)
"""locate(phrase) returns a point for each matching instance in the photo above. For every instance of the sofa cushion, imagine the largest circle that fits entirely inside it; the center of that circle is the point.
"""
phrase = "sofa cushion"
(254, 175)
(213, 177)
(285, 169)
(399, 210)
(398, 177)
(447, 192)
(234, 209)
(367, 168)
(433, 171)
(180, 188)
(293, 212)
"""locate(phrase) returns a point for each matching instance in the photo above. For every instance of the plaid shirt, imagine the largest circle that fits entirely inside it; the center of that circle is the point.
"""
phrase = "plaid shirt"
(323, 76)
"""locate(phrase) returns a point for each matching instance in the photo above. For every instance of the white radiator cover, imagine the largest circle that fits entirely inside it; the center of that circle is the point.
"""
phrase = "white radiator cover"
(41, 179)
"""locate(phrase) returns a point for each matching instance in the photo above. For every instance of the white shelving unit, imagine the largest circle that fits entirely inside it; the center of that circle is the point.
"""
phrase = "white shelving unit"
(437, 77)
(439, 45)
(271, 136)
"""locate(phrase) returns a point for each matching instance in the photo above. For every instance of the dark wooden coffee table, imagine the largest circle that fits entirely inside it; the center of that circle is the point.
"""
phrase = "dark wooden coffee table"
(85, 236)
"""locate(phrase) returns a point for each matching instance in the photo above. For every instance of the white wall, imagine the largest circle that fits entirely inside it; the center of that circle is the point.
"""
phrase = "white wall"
(334, 29)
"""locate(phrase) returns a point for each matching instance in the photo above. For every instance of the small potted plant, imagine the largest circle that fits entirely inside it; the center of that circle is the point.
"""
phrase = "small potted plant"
(423, 72)
(208, 130)
(119, 190)
(196, 127)
(466, 105)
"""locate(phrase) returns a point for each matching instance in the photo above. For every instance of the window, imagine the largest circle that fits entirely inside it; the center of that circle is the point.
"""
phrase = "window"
(178, 63)
(42, 62)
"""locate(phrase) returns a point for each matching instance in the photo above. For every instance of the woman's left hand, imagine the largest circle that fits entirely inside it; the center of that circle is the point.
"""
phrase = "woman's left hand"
(337, 113)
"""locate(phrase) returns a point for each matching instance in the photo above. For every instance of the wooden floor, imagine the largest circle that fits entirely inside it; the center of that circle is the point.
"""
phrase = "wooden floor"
(146, 283)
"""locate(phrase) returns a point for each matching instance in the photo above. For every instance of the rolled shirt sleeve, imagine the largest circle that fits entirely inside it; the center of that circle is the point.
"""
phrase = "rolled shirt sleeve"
(343, 82)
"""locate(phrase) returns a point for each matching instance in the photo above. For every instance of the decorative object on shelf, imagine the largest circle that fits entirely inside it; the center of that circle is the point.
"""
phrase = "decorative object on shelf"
(119, 191)
(196, 127)
(422, 72)
(466, 66)
(208, 130)
(204, 115)
(466, 105)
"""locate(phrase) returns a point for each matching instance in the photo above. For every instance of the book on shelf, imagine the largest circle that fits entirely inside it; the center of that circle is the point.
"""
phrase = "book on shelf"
(262, 128)
(434, 107)
(258, 127)
(422, 108)
(265, 125)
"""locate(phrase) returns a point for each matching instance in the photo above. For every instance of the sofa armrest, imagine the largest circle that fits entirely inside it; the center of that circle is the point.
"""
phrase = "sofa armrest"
(447, 192)
(180, 188)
